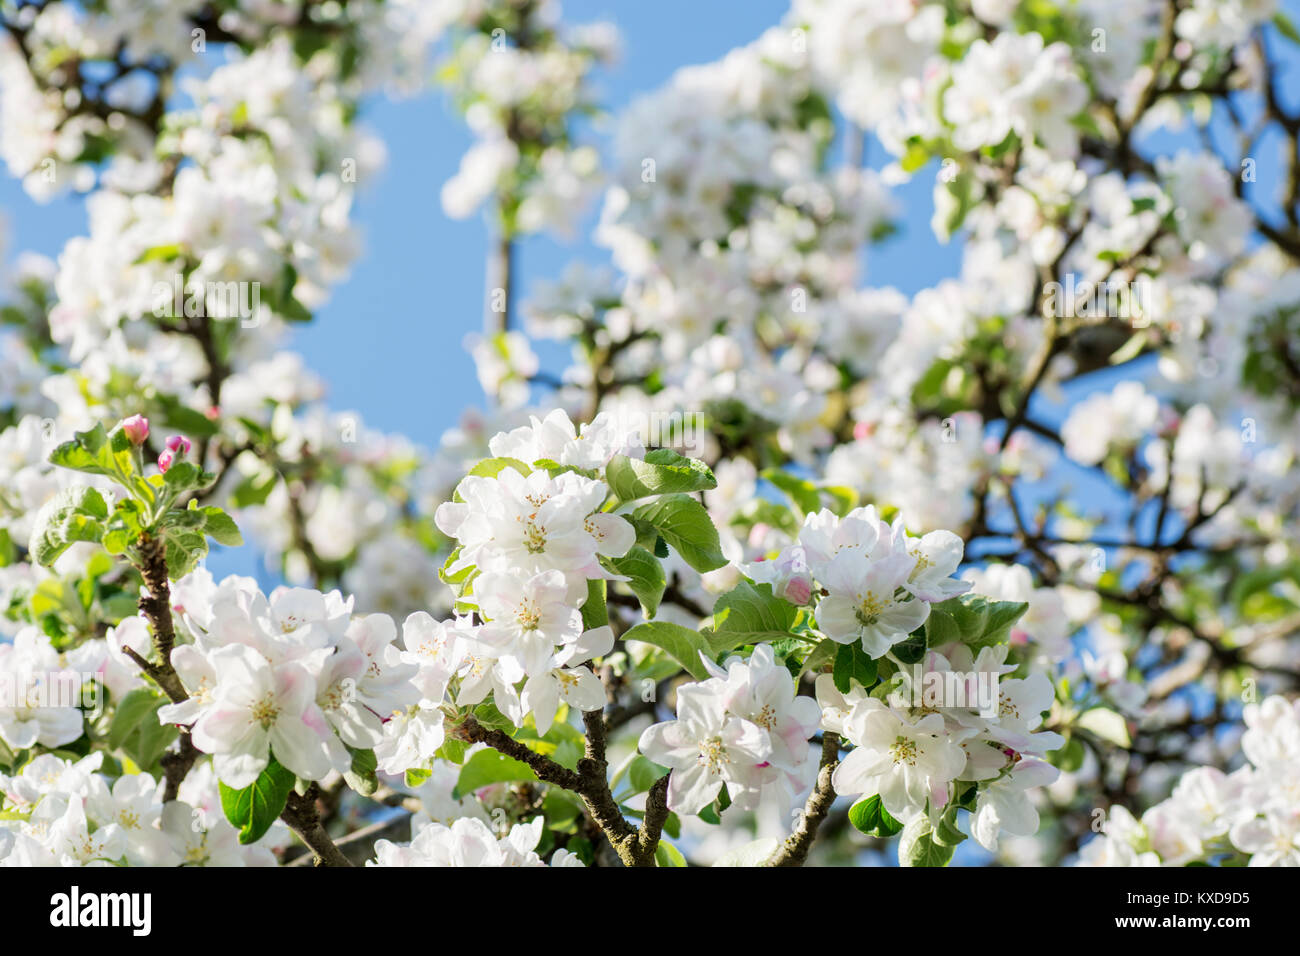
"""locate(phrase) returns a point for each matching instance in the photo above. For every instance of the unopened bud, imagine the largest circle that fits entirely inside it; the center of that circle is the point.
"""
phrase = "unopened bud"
(798, 590)
(136, 428)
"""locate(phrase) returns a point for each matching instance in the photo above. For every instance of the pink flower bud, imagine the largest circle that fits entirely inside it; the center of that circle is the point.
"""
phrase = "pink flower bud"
(136, 428)
(798, 590)
(165, 460)
(179, 444)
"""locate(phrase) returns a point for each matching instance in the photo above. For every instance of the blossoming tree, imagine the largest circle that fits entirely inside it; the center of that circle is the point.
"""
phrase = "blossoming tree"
(783, 567)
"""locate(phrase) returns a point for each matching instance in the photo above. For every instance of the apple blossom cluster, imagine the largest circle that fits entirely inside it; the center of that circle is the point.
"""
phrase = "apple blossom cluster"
(918, 754)
(919, 760)
(744, 729)
(730, 234)
(469, 842)
(520, 76)
(61, 812)
(1249, 815)
(40, 695)
(55, 141)
(876, 582)
(292, 676)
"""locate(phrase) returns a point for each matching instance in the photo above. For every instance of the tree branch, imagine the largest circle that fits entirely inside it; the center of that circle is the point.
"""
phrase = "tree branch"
(794, 851)
(303, 818)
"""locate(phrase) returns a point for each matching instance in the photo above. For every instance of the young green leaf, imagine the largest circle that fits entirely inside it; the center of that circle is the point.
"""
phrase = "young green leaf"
(253, 809)
(685, 525)
(75, 514)
(681, 643)
(869, 816)
(747, 614)
(645, 577)
(662, 472)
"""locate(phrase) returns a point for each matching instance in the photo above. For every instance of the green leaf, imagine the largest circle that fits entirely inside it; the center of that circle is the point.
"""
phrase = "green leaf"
(282, 299)
(1131, 349)
(124, 526)
(918, 846)
(945, 832)
(1286, 27)
(148, 744)
(184, 548)
(912, 650)
(255, 489)
(162, 253)
(75, 514)
(594, 611)
(184, 419)
(1085, 121)
(488, 767)
(914, 158)
(668, 855)
(973, 620)
(1070, 757)
(645, 577)
(662, 472)
(490, 717)
(220, 527)
(132, 711)
(253, 809)
(453, 750)
(685, 525)
(642, 773)
(185, 476)
(869, 816)
(416, 776)
(361, 775)
(747, 614)
(681, 643)
(491, 467)
(96, 453)
(853, 663)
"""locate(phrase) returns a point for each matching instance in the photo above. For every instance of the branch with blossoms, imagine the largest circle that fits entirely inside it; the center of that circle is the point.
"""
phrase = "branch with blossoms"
(164, 542)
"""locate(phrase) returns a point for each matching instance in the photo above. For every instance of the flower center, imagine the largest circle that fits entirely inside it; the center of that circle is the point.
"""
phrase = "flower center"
(868, 609)
(265, 711)
(1008, 708)
(534, 538)
(713, 754)
(529, 617)
(904, 751)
